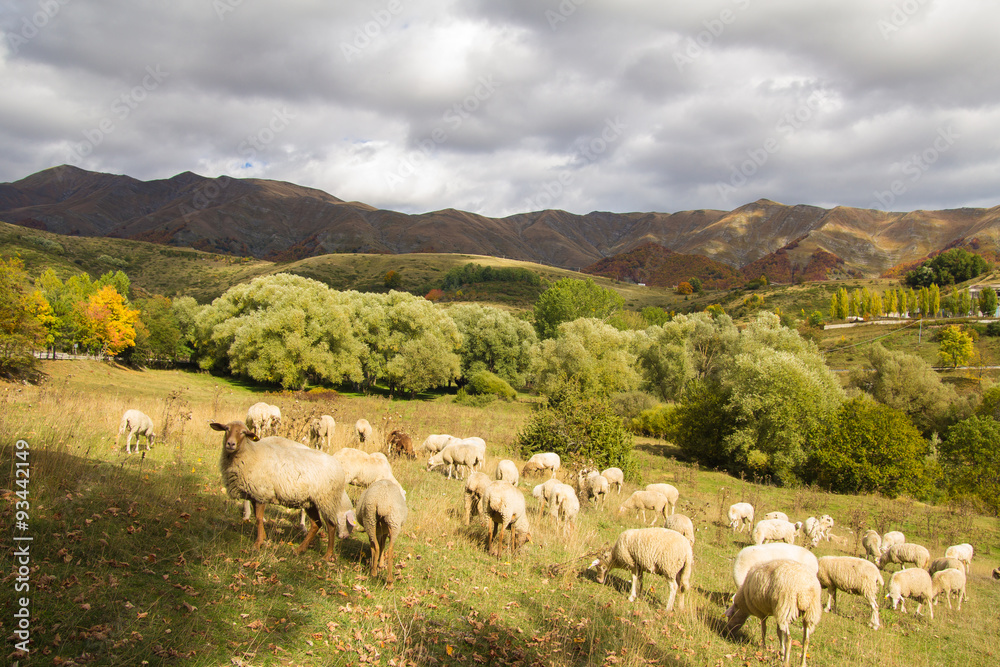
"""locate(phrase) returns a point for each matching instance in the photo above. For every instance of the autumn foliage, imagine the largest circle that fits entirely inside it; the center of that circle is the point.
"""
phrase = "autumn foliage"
(106, 322)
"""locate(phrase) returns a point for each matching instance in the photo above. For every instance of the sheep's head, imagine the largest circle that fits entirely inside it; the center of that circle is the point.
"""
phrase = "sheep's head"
(236, 433)
(531, 468)
(600, 565)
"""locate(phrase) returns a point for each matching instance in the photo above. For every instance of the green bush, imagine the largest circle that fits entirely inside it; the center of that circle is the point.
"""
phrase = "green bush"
(993, 329)
(655, 422)
(485, 383)
(630, 404)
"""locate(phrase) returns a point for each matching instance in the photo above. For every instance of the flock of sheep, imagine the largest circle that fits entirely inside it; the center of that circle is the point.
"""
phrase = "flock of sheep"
(773, 577)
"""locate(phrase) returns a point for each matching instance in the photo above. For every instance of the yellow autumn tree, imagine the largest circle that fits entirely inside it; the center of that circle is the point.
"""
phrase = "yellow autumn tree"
(106, 322)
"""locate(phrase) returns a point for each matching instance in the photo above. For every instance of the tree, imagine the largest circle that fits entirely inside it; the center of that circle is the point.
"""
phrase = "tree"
(569, 299)
(599, 358)
(26, 320)
(494, 340)
(970, 457)
(695, 284)
(392, 280)
(160, 320)
(684, 288)
(987, 302)
(956, 346)
(105, 321)
(964, 301)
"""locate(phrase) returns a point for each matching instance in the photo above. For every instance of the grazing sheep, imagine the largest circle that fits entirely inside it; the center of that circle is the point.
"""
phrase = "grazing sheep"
(750, 556)
(645, 500)
(401, 444)
(560, 492)
(912, 583)
(776, 530)
(456, 456)
(996, 573)
(263, 418)
(825, 526)
(741, 517)
(962, 552)
(475, 489)
(321, 431)
(269, 471)
(682, 524)
(654, 550)
(786, 590)
(891, 538)
(435, 442)
(776, 515)
(872, 542)
(614, 476)
(479, 444)
(565, 505)
(852, 575)
(594, 485)
(669, 491)
(364, 430)
(505, 508)
(541, 462)
(543, 492)
(903, 554)
(507, 470)
(137, 423)
(949, 581)
(382, 511)
(364, 469)
(944, 563)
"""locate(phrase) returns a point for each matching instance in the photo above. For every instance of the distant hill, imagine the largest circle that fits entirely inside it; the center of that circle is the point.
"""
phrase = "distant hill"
(282, 221)
(652, 264)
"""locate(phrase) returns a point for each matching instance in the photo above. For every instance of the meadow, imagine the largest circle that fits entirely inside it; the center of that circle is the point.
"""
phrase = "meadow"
(142, 558)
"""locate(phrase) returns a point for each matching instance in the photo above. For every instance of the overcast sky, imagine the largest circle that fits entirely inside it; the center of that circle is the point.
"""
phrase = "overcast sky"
(504, 107)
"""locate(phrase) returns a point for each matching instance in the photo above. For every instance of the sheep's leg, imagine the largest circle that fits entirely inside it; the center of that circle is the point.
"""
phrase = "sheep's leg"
(247, 511)
(672, 595)
(636, 584)
(874, 621)
(784, 643)
(503, 529)
(258, 509)
(960, 593)
(387, 552)
(806, 633)
(763, 634)
(128, 442)
(376, 549)
(313, 531)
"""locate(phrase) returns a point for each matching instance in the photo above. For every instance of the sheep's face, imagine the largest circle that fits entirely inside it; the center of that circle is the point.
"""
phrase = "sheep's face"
(236, 433)
(600, 566)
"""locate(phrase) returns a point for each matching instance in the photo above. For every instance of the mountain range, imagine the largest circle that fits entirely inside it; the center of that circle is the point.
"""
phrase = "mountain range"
(283, 221)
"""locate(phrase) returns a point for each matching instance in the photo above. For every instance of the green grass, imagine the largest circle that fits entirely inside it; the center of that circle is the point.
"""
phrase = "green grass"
(143, 558)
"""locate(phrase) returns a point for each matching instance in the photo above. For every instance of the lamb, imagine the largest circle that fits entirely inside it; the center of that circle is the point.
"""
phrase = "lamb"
(507, 470)
(776, 515)
(872, 542)
(817, 529)
(541, 462)
(543, 492)
(786, 590)
(435, 442)
(269, 471)
(912, 583)
(455, 456)
(646, 500)
(669, 492)
(614, 476)
(364, 469)
(852, 575)
(825, 526)
(891, 538)
(776, 530)
(682, 524)
(475, 489)
(740, 516)
(750, 556)
(401, 444)
(654, 550)
(905, 553)
(382, 511)
(137, 423)
(364, 430)
(951, 580)
(961, 552)
(321, 431)
(944, 563)
(505, 508)
(263, 418)
(594, 484)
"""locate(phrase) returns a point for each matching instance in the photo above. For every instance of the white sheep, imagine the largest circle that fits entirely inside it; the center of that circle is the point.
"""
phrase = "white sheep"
(891, 538)
(435, 442)
(382, 512)
(818, 529)
(505, 508)
(645, 500)
(951, 580)
(558, 495)
(751, 556)
(565, 505)
(543, 492)
(654, 550)
(137, 423)
(475, 489)
(364, 469)
(507, 470)
(776, 515)
(902, 554)
(594, 485)
(364, 430)
(944, 563)
(669, 491)
(961, 552)
(826, 524)
(479, 444)
(614, 476)
(852, 575)
(455, 456)
(682, 524)
(872, 542)
(776, 530)
(321, 431)
(540, 463)
(741, 517)
(786, 590)
(912, 583)
(269, 471)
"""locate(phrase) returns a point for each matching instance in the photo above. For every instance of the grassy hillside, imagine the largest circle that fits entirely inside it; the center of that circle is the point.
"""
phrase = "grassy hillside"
(142, 557)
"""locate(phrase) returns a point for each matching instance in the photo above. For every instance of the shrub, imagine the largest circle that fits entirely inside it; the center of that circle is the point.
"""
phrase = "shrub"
(993, 329)
(655, 422)
(485, 383)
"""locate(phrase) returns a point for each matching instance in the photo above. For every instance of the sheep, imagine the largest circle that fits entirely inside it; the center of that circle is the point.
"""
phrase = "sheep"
(776, 515)
(872, 542)
(435, 442)
(594, 484)
(565, 505)
(455, 456)
(507, 470)
(905, 553)
(137, 423)
(614, 476)
(401, 444)
(944, 563)
(541, 462)
(505, 508)
(543, 492)
(817, 529)
(475, 489)
(560, 492)
(826, 524)
(321, 431)
(852, 575)
(891, 538)
(382, 512)
(951, 580)
(654, 550)
(269, 471)
(645, 500)
(912, 583)
(682, 524)
(364, 430)
(962, 552)
(740, 517)
(750, 556)
(776, 530)
(669, 492)
(479, 444)
(786, 590)
(364, 469)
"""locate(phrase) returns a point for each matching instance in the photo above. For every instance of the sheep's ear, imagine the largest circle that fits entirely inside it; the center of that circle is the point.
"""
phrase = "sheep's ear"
(217, 426)
(253, 436)
(597, 561)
